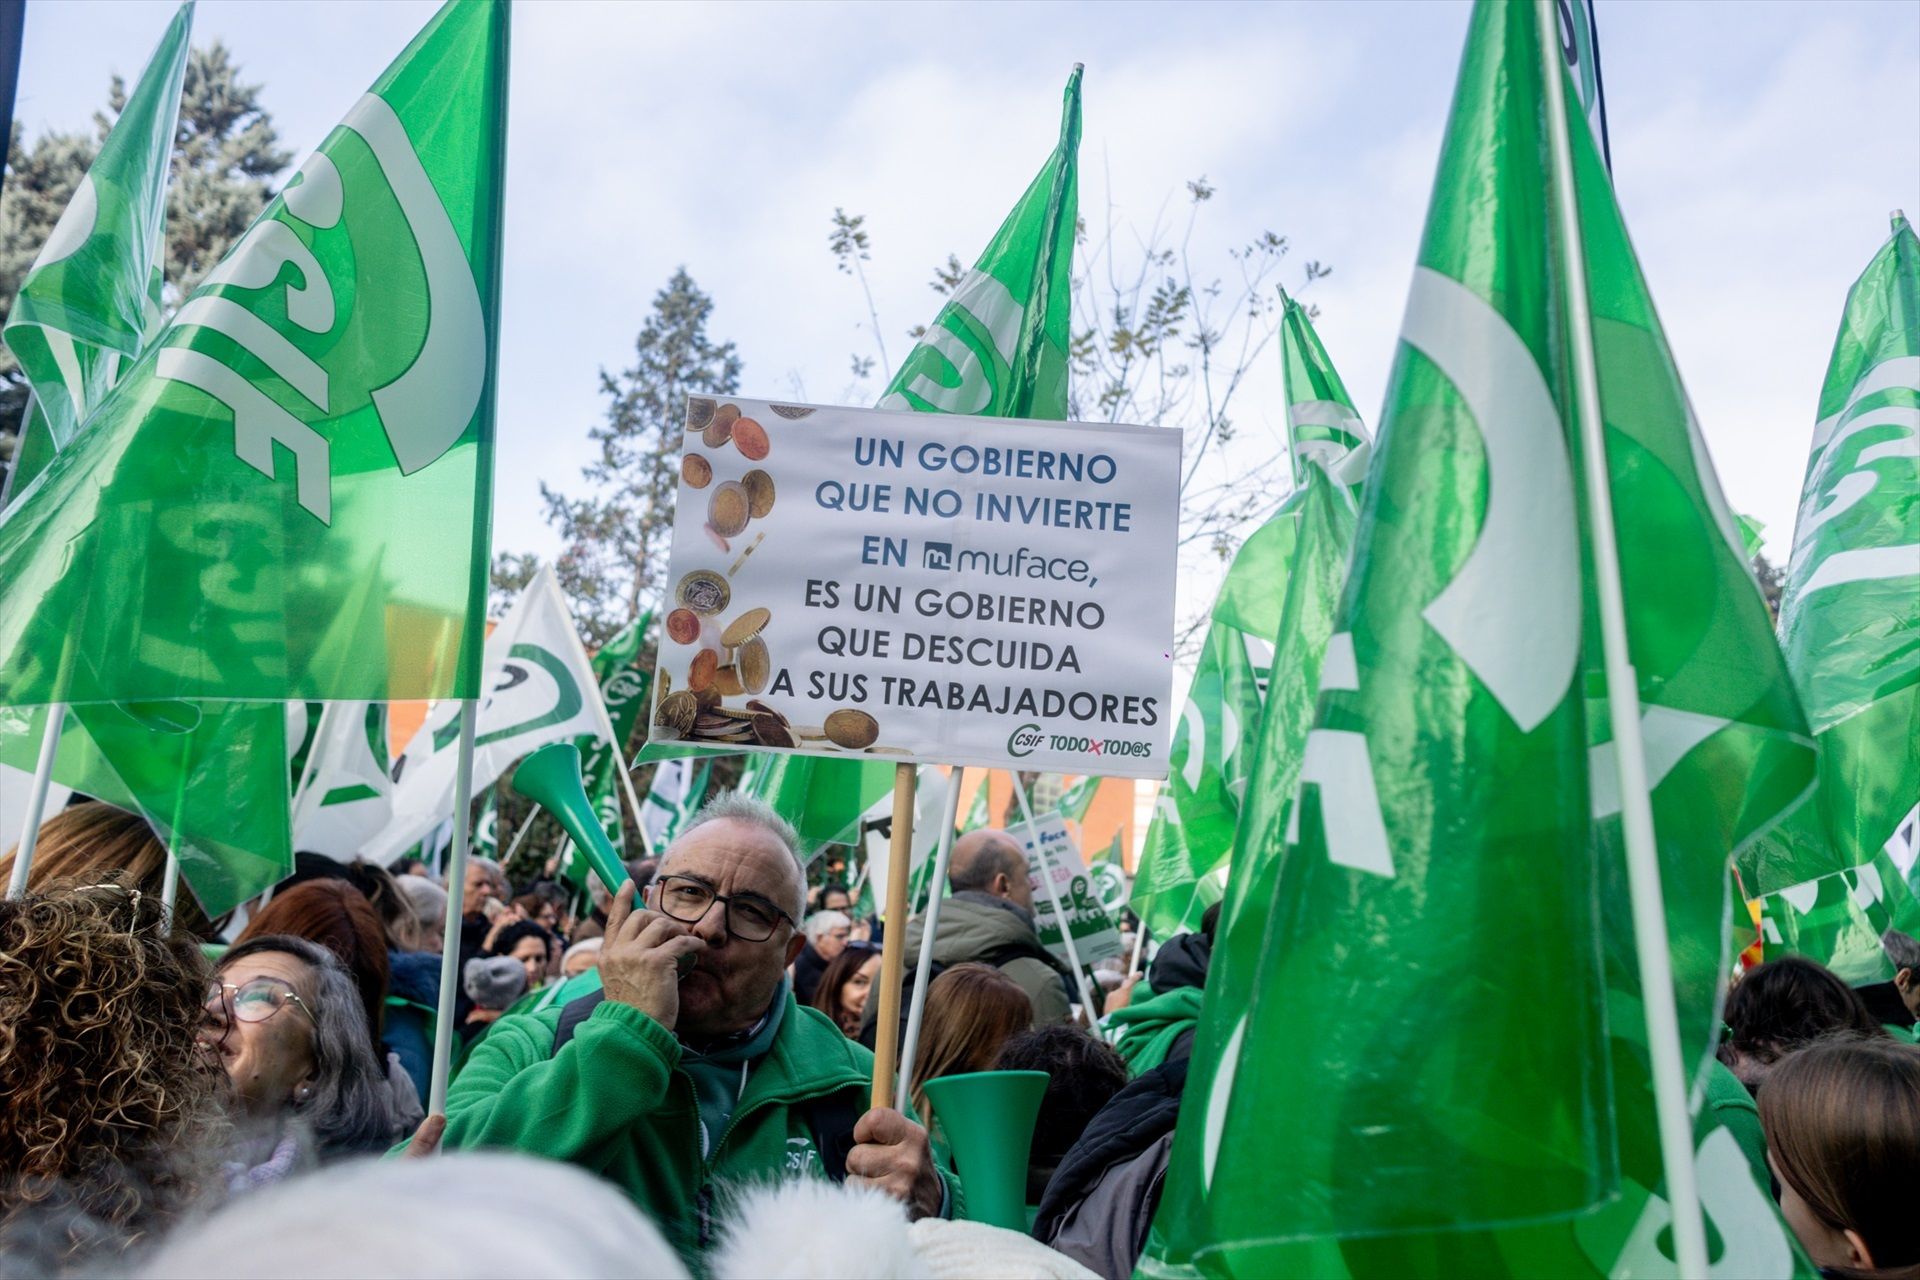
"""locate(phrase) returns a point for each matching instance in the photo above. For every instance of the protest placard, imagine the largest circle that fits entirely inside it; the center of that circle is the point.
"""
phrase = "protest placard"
(924, 587)
(1095, 936)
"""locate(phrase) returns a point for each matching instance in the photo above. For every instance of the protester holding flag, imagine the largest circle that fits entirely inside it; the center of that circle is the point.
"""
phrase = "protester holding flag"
(690, 1064)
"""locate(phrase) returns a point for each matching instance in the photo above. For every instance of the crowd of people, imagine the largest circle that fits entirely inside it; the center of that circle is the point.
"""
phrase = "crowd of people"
(673, 1079)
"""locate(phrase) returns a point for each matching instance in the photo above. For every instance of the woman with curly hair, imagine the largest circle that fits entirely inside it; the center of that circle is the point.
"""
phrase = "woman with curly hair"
(109, 1105)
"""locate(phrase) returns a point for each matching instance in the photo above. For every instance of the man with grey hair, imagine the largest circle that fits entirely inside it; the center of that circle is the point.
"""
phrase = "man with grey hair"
(828, 933)
(989, 920)
(683, 1063)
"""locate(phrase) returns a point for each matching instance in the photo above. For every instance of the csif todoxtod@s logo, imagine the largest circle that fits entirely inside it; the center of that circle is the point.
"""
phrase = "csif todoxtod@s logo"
(1028, 738)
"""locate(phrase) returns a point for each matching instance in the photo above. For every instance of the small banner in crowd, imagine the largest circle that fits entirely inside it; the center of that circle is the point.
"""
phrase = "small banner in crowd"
(926, 587)
(1051, 852)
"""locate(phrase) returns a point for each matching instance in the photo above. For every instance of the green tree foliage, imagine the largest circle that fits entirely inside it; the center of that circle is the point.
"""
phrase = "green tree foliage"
(616, 536)
(224, 163)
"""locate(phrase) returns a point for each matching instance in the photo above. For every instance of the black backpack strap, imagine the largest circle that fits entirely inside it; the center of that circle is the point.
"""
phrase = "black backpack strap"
(573, 1013)
(831, 1117)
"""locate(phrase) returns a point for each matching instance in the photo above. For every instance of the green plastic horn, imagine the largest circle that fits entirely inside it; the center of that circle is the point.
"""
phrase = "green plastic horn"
(987, 1118)
(551, 778)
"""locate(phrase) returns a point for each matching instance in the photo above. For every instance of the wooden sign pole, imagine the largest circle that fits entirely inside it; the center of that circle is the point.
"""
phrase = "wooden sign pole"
(893, 951)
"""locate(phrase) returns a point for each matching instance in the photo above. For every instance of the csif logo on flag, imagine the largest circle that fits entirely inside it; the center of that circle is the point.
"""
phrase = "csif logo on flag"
(282, 355)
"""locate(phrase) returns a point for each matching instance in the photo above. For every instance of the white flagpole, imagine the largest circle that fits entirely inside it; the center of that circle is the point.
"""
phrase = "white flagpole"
(1139, 943)
(37, 798)
(444, 1030)
(923, 970)
(513, 846)
(1053, 896)
(1652, 947)
(170, 883)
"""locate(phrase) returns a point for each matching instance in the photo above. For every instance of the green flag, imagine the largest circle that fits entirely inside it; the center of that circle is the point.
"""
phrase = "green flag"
(625, 683)
(999, 347)
(678, 788)
(287, 496)
(1850, 614)
(1322, 423)
(92, 297)
(1077, 798)
(823, 799)
(1183, 862)
(976, 815)
(1458, 828)
(486, 827)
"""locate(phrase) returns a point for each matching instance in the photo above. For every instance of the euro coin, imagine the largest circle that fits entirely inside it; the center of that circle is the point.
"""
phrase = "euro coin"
(699, 412)
(700, 670)
(750, 438)
(696, 471)
(852, 728)
(704, 592)
(745, 627)
(728, 510)
(677, 711)
(727, 681)
(754, 664)
(770, 732)
(683, 626)
(759, 487)
(791, 411)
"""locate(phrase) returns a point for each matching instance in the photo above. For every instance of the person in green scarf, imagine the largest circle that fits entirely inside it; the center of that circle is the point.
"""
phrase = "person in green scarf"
(687, 1065)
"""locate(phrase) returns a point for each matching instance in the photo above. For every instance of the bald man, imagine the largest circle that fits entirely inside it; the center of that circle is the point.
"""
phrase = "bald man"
(989, 920)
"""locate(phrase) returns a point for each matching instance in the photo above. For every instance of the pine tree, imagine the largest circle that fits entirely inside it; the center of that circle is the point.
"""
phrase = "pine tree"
(617, 537)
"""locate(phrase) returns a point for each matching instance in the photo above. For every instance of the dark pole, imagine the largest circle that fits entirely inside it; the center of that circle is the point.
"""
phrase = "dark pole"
(13, 20)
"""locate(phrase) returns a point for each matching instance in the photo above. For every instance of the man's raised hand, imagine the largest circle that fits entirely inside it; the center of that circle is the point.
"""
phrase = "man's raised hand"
(640, 960)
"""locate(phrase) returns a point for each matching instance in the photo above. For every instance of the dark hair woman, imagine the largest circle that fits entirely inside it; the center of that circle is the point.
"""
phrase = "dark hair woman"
(1781, 1005)
(841, 993)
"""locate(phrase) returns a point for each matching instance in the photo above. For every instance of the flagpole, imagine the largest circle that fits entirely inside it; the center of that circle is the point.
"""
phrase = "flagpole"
(1139, 943)
(1652, 945)
(513, 846)
(444, 1031)
(1053, 896)
(893, 950)
(923, 970)
(37, 798)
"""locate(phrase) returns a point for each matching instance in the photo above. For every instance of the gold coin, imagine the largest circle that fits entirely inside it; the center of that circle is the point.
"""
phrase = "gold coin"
(728, 510)
(851, 728)
(745, 627)
(727, 415)
(759, 487)
(696, 471)
(704, 592)
(754, 664)
(727, 681)
(677, 711)
(708, 698)
(699, 412)
(757, 707)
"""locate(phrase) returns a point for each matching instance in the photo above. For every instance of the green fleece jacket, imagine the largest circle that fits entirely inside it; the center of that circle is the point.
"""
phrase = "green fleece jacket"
(617, 1101)
(1150, 1024)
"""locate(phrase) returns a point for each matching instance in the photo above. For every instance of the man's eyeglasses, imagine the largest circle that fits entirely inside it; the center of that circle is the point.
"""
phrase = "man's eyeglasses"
(257, 1000)
(750, 917)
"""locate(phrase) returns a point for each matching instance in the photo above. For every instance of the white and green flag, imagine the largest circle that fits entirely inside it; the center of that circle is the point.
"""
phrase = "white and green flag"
(347, 794)
(1849, 619)
(679, 787)
(1458, 814)
(91, 300)
(541, 689)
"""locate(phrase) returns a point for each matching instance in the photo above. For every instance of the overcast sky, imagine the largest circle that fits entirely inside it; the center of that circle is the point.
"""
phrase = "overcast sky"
(1758, 149)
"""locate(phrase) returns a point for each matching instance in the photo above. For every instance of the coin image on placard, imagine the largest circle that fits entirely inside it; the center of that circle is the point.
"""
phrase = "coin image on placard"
(754, 663)
(751, 439)
(728, 510)
(713, 536)
(727, 681)
(700, 670)
(696, 471)
(704, 591)
(759, 487)
(771, 730)
(699, 412)
(791, 411)
(707, 698)
(718, 431)
(683, 626)
(677, 712)
(852, 728)
(745, 627)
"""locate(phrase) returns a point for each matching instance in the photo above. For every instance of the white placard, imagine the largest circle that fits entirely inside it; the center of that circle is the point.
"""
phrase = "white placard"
(926, 587)
(1095, 937)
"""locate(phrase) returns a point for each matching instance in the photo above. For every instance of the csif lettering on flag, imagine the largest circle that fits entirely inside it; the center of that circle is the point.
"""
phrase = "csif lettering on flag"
(1459, 818)
(313, 430)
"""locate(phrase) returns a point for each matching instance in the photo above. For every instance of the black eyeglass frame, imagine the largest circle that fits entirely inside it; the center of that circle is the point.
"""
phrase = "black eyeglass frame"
(726, 903)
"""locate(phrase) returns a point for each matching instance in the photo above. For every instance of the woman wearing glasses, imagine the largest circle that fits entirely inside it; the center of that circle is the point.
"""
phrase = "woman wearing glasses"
(286, 1022)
